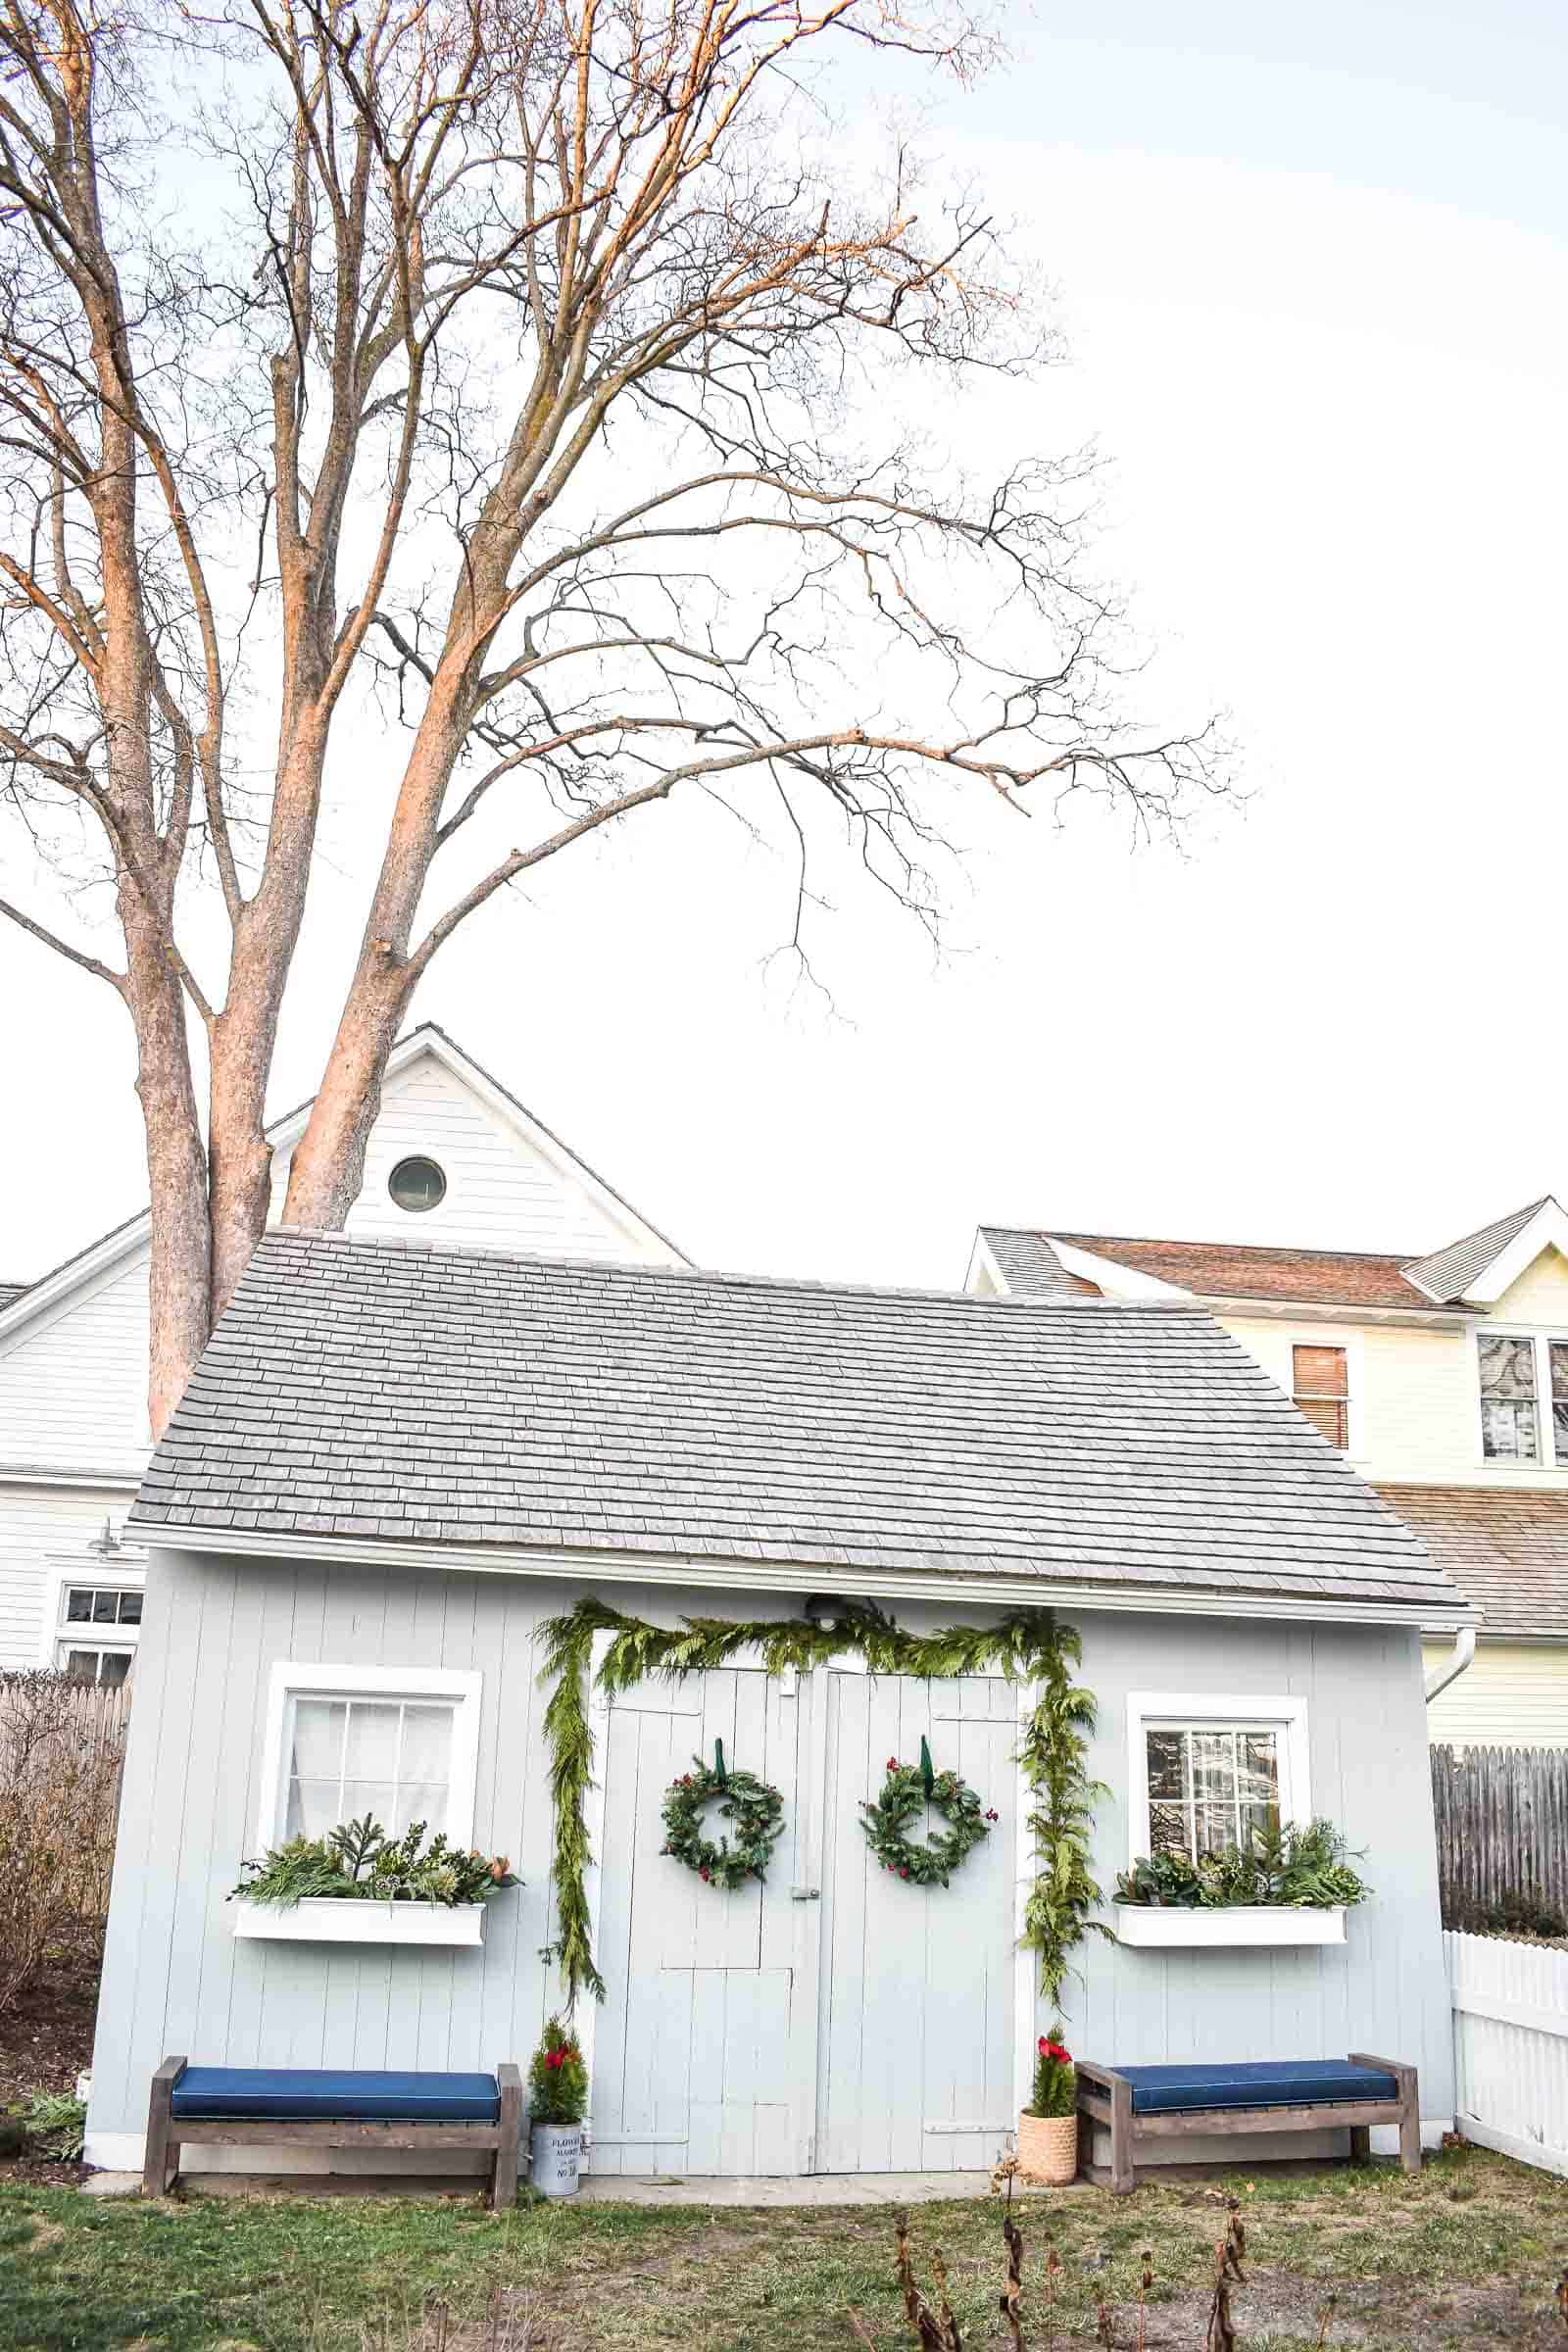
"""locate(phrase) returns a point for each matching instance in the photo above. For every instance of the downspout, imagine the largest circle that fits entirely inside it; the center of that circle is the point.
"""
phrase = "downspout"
(1464, 1650)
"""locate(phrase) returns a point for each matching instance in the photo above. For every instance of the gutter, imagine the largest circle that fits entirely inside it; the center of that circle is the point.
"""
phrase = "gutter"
(1464, 1650)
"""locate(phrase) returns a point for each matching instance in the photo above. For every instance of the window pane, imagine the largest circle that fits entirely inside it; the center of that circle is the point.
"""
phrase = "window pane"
(81, 1665)
(1559, 1368)
(78, 1606)
(1258, 1789)
(1507, 1368)
(1213, 1791)
(104, 1608)
(1508, 1431)
(426, 1767)
(131, 1608)
(1329, 1416)
(114, 1666)
(1320, 1371)
(314, 1766)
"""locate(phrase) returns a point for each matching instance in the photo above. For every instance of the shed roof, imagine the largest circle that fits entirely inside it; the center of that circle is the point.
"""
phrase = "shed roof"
(407, 1393)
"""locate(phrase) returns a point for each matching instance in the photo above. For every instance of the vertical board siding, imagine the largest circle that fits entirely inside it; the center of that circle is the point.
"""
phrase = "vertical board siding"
(1510, 2030)
(1502, 1826)
(738, 2029)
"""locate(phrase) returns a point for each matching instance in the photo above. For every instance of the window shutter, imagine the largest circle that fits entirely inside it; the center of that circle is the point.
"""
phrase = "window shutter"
(1321, 1387)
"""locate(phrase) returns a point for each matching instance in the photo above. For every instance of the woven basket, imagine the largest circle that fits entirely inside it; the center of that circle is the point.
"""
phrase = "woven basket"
(1047, 2149)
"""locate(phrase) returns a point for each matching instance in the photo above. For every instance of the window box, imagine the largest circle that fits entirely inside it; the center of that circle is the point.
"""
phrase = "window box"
(345, 1919)
(1173, 1926)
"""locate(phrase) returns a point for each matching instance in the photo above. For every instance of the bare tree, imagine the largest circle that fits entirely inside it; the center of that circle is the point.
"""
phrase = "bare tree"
(511, 380)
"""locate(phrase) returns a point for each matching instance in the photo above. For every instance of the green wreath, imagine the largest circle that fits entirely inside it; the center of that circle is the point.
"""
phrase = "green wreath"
(756, 1809)
(905, 1792)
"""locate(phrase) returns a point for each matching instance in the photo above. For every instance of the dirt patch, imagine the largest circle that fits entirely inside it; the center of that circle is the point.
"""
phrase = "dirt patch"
(1280, 2306)
(46, 2043)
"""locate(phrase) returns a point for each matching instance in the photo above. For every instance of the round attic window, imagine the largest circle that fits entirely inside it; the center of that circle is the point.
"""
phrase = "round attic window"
(416, 1184)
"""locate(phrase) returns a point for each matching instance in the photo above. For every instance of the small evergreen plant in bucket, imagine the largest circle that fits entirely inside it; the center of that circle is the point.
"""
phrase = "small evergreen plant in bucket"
(558, 2101)
(1048, 2129)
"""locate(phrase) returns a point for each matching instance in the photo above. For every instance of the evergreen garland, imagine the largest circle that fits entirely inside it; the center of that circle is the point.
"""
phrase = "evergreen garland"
(1026, 1646)
(756, 1809)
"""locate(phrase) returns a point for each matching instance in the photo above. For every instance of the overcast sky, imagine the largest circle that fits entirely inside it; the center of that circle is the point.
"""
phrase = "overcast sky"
(1312, 273)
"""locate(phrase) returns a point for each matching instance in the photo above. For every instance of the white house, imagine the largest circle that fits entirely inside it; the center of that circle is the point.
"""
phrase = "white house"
(1442, 1377)
(452, 1157)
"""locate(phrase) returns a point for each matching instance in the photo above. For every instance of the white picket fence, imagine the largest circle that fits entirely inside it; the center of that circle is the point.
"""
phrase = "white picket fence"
(1510, 2046)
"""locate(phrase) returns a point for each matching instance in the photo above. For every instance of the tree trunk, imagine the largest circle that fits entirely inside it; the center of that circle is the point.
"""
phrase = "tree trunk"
(178, 1283)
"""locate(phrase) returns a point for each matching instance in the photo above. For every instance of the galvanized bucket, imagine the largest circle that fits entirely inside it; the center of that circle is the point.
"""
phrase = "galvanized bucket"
(556, 2159)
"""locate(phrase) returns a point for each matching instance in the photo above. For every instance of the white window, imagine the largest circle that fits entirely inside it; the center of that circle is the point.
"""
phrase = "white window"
(1204, 1772)
(400, 1743)
(1524, 1396)
(95, 1635)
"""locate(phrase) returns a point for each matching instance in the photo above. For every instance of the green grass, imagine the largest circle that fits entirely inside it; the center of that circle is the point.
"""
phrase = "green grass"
(1466, 2256)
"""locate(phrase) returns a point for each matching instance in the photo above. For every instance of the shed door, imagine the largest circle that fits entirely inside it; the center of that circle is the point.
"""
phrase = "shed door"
(704, 2055)
(916, 2062)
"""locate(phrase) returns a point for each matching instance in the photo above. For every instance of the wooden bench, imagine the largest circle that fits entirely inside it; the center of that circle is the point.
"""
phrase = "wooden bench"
(258, 2106)
(1143, 2104)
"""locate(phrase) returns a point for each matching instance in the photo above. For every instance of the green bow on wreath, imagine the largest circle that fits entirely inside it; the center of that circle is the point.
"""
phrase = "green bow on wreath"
(756, 1809)
(905, 1794)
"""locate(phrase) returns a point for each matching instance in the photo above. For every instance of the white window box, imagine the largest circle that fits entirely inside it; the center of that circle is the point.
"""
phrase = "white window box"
(343, 1919)
(1172, 1924)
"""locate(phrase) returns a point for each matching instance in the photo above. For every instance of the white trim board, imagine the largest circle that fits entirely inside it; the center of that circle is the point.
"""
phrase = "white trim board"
(291, 1677)
(791, 1577)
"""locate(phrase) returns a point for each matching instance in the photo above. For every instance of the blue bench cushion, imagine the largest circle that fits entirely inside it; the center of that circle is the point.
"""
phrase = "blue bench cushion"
(1274, 2083)
(300, 2093)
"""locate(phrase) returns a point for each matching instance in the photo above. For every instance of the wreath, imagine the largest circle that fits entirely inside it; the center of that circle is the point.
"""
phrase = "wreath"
(756, 1809)
(905, 1791)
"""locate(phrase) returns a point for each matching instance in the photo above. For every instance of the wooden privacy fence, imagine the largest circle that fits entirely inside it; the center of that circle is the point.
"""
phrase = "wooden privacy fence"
(1510, 2046)
(1502, 1826)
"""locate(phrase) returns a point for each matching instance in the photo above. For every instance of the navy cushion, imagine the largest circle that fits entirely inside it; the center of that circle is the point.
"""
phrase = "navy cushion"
(1274, 2083)
(301, 2092)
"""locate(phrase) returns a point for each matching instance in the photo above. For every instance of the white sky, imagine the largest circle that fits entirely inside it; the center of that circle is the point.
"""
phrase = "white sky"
(1314, 273)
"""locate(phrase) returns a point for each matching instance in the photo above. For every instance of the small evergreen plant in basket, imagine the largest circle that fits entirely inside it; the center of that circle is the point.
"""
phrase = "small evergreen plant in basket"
(1055, 2091)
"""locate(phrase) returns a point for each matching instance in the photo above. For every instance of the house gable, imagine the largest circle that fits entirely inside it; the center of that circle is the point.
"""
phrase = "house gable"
(73, 1344)
(1540, 1295)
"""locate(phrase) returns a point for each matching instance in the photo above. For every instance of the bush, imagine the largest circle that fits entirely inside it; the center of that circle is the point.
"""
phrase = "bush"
(1524, 1912)
(54, 2122)
(1056, 2091)
(1305, 1868)
(62, 1744)
(557, 2080)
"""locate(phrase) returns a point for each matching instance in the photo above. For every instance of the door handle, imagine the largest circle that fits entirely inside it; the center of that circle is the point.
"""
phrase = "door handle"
(804, 1894)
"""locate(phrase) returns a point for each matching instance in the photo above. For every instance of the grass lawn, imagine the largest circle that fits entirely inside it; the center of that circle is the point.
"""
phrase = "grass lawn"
(1469, 2255)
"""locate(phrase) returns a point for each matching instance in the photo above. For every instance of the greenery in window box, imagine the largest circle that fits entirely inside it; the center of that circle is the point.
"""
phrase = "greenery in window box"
(1056, 2091)
(1294, 1867)
(557, 2080)
(358, 1860)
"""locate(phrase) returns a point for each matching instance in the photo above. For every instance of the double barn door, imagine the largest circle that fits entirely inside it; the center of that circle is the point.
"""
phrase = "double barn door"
(832, 2019)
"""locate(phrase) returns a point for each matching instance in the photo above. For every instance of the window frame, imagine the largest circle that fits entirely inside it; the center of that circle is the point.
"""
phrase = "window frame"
(1305, 1397)
(1544, 1337)
(122, 1571)
(1226, 1710)
(293, 1678)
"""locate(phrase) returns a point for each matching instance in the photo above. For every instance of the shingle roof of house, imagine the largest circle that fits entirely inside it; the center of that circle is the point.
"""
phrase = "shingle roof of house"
(395, 1393)
(1219, 1269)
(1448, 1273)
(1506, 1551)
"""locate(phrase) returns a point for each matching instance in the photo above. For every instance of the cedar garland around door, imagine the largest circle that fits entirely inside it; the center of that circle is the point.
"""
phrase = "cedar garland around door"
(1028, 1646)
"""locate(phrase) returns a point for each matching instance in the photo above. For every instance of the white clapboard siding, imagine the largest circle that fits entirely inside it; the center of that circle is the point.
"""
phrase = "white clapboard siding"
(502, 1192)
(37, 1524)
(1510, 2037)
(73, 1386)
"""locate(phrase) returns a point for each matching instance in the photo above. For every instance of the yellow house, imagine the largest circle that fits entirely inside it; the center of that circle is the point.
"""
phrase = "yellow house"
(1443, 1378)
